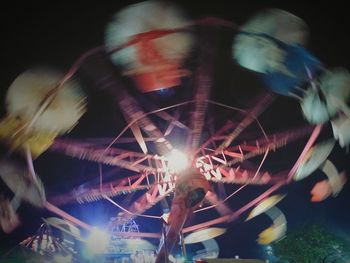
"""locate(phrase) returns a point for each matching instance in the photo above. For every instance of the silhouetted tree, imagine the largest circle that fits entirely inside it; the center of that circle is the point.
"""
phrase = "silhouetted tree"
(312, 243)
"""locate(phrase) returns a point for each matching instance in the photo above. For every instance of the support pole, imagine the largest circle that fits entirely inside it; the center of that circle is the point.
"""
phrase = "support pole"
(183, 247)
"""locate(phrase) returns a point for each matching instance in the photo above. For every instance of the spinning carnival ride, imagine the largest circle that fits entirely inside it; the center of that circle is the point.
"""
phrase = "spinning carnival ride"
(183, 157)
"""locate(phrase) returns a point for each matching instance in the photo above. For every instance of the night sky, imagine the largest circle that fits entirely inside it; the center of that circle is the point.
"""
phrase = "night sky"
(57, 34)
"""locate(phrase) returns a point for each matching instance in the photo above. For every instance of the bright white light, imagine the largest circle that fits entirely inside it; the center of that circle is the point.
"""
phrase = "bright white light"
(97, 242)
(177, 160)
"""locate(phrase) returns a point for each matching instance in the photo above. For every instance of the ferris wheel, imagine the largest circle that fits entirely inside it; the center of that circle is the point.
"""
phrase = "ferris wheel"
(191, 157)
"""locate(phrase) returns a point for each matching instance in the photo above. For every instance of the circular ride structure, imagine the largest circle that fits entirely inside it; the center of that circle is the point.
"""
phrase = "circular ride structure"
(184, 157)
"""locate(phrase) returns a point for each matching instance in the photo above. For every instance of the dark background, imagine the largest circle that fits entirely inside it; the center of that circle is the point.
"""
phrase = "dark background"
(56, 34)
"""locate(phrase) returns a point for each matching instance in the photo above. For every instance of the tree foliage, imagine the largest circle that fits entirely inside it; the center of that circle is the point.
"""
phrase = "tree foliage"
(312, 243)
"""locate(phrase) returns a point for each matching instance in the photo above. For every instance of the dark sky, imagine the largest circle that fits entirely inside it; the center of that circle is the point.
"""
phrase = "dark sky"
(56, 34)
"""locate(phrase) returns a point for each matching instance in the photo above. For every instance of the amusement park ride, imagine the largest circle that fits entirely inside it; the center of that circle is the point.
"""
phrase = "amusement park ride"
(184, 155)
